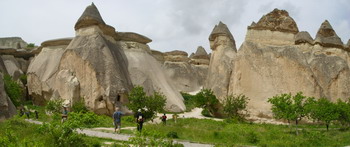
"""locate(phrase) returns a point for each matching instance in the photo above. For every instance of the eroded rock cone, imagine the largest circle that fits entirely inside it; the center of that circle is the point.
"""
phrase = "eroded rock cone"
(277, 20)
(222, 30)
(327, 37)
(303, 37)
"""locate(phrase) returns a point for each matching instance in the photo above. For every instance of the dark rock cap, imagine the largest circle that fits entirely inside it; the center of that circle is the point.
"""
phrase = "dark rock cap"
(91, 16)
(303, 37)
(277, 20)
(131, 36)
(220, 30)
(200, 54)
(327, 37)
(56, 42)
(177, 52)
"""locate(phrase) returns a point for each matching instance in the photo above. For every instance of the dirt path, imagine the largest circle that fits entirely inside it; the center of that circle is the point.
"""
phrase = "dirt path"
(122, 137)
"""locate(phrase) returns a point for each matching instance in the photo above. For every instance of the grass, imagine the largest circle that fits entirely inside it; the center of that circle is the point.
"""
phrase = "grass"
(223, 133)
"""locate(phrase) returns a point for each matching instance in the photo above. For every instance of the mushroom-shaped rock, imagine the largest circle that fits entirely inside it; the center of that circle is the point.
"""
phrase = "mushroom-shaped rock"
(131, 36)
(91, 16)
(277, 20)
(220, 30)
(327, 37)
(347, 46)
(303, 37)
(56, 42)
(200, 54)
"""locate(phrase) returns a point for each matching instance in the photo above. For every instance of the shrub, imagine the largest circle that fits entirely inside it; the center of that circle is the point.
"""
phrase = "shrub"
(172, 134)
(149, 105)
(79, 107)
(343, 109)
(235, 106)
(13, 90)
(189, 101)
(31, 45)
(205, 112)
(207, 100)
(252, 137)
(54, 106)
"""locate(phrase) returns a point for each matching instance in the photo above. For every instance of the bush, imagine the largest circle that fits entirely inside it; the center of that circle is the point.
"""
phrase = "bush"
(79, 107)
(235, 106)
(13, 90)
(189, 101)
(252, 137)
(54, 106)
(31, 45)
(207, 100)
(172, 134)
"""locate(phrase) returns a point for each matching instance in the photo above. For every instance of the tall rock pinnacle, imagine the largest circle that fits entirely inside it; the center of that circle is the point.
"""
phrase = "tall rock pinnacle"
(220, 29)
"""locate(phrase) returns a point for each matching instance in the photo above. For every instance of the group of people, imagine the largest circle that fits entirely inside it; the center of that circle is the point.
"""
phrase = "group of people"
(139, 119)
(25, 111)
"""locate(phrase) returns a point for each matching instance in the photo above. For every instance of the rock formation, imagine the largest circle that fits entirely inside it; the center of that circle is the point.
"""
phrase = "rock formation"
(275, 58)
(224, 49)
(327, 37)
(146, 71)
(94, 66)
(12, 66)
(13, 42)
(303, 37)
(200, 64)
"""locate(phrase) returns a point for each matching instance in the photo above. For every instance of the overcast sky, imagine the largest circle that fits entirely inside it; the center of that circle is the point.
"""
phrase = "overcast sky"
(171, 24)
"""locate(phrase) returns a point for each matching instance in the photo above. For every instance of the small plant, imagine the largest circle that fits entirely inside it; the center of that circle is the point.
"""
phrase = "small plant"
(235, 106)
(54, 106)
(172, 134)
(205, 112)
(31, 45)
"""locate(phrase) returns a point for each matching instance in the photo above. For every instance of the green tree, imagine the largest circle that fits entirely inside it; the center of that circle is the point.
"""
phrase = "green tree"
(235, 106)
(288, 107)
(323, 110)
(207, 100)
(31, 45)
(343, 108)
(13, 90)
(149, 105)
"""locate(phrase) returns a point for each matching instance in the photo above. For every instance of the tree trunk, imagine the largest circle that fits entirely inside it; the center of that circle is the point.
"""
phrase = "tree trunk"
(296, 127)
(327, 126)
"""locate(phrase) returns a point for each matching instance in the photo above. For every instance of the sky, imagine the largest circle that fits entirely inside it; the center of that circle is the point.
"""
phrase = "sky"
(171, 24)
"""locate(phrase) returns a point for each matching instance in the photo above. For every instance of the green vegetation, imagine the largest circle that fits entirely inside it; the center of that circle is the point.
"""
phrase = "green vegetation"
(13, 90)
(31, 45)
(235, 106)
(54, 106)
(223, 133)
(79, 106)
(149, 105)
(208, 101)
(189, 101)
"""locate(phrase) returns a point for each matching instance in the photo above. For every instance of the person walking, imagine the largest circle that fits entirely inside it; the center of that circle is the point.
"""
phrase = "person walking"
(175, 117)
(117, 117)
(164, 119)
(139, 120)
(64, 114)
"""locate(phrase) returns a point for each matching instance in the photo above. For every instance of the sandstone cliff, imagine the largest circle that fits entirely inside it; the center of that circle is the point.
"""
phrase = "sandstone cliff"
(146, 71)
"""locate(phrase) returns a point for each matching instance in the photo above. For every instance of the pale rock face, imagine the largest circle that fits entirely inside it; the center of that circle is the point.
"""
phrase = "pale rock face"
(270, 37)
(159, 56)
(180, 72)
(12, 66)
(147, 72)
(7, 109)
(200, 64)
(262, 71)
(12, 42)
(42, 73)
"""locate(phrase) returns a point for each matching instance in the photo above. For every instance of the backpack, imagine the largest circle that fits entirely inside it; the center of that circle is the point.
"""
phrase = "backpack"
(164, 117)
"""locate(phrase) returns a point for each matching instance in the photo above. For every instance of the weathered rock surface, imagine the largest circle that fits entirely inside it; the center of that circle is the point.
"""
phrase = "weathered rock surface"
(12, 42)
(200, 64)
(146, 71)
(159, 56)
(327, 37)
(220, 67)
(7, 109)
(303, 37)
(12, 66)
(277, 20)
